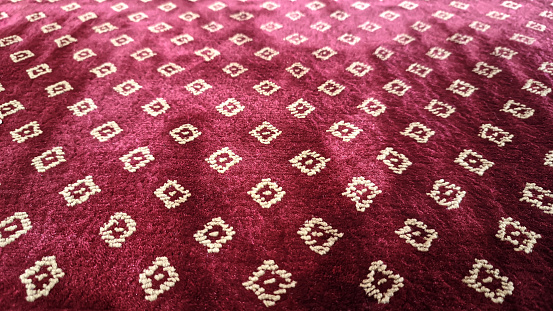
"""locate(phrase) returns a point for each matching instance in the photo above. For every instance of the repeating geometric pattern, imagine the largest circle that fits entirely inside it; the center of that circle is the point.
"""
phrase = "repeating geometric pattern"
(290, 154)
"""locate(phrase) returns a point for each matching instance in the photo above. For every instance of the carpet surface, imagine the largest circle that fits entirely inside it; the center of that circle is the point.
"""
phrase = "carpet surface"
(284, 155)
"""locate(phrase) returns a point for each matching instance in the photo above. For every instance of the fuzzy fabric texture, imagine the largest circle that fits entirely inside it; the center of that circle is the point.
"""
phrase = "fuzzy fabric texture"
(284, 155)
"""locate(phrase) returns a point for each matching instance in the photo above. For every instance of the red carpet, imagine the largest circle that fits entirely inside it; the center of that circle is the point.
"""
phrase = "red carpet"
(283, 155)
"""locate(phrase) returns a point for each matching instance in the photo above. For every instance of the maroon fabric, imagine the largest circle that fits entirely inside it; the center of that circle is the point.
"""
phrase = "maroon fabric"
(94, 274)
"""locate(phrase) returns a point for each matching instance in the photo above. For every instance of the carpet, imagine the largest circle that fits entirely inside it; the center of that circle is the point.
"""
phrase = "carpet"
(282, 155)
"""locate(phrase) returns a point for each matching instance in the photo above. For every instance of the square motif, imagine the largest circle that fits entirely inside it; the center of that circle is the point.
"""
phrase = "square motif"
(438, 53)
(106, 131)
(309, 162)
(234, 69)
(156, 107)
(242, 16)
(49, 159)
(462, 88)
(136, 159)
(486, 70)
(358, 69)
(104, 70)
(270, 26)
(83, 107)
(207, 53)
(170, 69)
(372, 106)
(212, 27)
(119, 7)
(297, 70)
(10, 108)
(50, 27)
(185, 133)
(143, 54)
(419, 70)
(38, 71)
(266, 53)
(339, 15)
(300, 108)
(159, 27)
(182, 39)
(189, 16)
(473, 162)
(29, 130)
(479, 26)
(80, 191)
(420, 26)
(349, 39)
(383, 53)
(419, 132)
(440, 109)
(265, 133)
(370, 26)
(230, 107)
(360, 5)
(397, 87)
(295, 15)
(217, 6)
(267, 193)
(344, 130)
(198, 87)
(128, 87)
(320, 26)
(404, 39)
(240, 39)
(324, 53)
(296, 39)
(172, 194)
(331, 88)
(121, 40)
(389, 15)
(105, 27)
(223, 159)
(166, 7)
(408, 5)
(443, 15)
(137, 17)
(266, 87)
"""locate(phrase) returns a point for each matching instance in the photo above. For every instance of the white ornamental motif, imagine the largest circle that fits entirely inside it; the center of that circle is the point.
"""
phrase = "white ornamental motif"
(315, 229)
(161, 269)
(172, 194)
(418, 132)
(137, 158)
(395, 161)
(473, 162)
(504, 288)
(120, 225)
(223, 159)
(221, 236)
(447, 194)
(265, 132)
(49, 159)
(415, 231)
(538, 197)
(309, 162)
(372, 106)
(440, 109)
(47, 267)
(495, 134)
(80, 191)
(271, 274)
(9, 231)
(548, 161)
(267, 193)
(361, 191)
(344, 130)
(518, 110)
(185, 133)
(522, 238)
(378, 275)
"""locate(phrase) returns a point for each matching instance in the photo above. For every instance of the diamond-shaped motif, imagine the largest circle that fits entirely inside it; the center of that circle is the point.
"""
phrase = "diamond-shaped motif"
(379, 275)
(462, 88)
(119, 227)
(12, 227)
(324, 53)
(420, 26)
(172, 194)
(504, 52)
(269, 5)
(234, 69)
(160, 270)
(9, 108)
(137, 17)
(473, 162)
(404, 39)
(265, 132)
(121, 40)
(266, 87)
(417, 234)
(300, 108)
(220, 236)
(319, 235)
(269, 273)
(297, 70)
(217, 6)
(447, 194)
(143, 54)
(349, 39)
(242, 16)
(320, 26)
(479, 26)
(339, 15)
(331, 88)
(212, 27)
(185, 133)
(358, 69)
(389, 15)
(266, 53)
(80, 191)
(137, 158)
(518, 235)
(230, 107)
(160, 27)
(383, 53)
(496, 291)
(395, 161)
(182, 39)
(156, 107)
(495, 134)
(127, 88)
(538, 197)
(45, 272)
(397, 87)
(315, 5)
(438, 53)
(419, 70)
(198, 87)
(309, 162)
(372, 106)
(486, 70)
(370, 26)
(344, 130)
(361, 191)
(223, 159)
(360, 5)
(207, 53)
(440, 109)
(49, 159)
(295, 15)
(83, 107)
(189, 16)
(419, 132)
(270, 26)
(296, 39)
(240, 39)
(267, 193)
(170, 69)
(25, 132)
